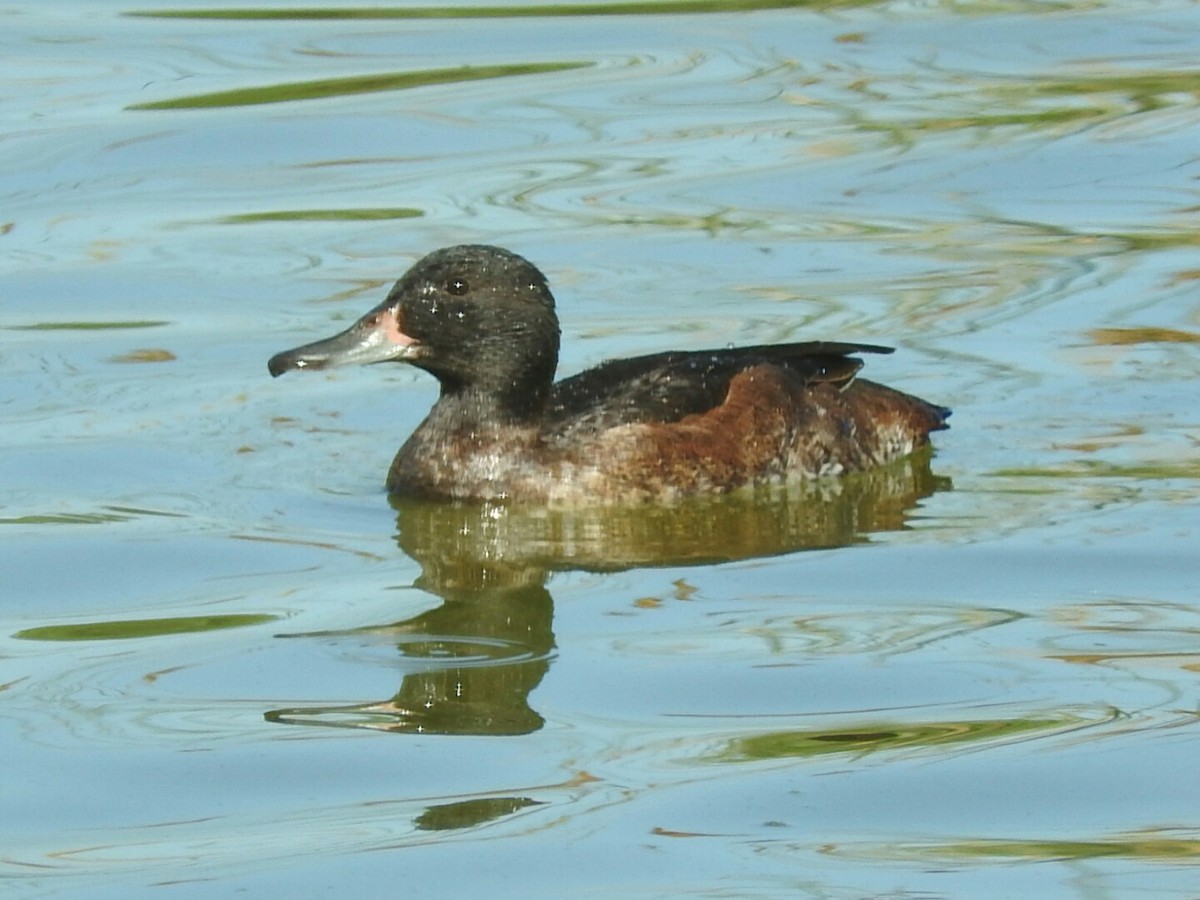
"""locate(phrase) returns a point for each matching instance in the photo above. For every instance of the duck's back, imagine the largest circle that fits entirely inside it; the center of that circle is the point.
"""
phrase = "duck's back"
(665, 387)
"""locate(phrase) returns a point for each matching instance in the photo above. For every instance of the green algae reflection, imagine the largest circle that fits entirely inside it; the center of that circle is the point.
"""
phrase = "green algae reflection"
(89, 326)
(140, 628)
(620, 8)
(360, 84)
(471, 813)
(860, 741)
(1045, 103)
(1121, 337)
(1151, 470)
(111, 514)
(1139, 846)
(1143, 849)
(371, 214)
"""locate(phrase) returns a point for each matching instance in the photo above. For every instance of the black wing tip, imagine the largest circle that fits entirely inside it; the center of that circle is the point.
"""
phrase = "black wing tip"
(860, 348)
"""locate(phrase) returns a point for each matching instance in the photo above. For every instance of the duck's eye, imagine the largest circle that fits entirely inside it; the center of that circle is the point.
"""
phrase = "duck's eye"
(457, 286)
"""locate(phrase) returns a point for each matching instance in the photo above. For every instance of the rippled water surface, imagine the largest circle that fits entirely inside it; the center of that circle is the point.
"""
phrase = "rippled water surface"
(229, 663)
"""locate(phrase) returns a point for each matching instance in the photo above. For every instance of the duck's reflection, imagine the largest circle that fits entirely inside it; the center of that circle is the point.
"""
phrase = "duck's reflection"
(472, 661)
(479, 655)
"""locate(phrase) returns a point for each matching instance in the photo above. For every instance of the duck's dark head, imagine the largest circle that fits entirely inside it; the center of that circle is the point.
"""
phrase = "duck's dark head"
(479, 318)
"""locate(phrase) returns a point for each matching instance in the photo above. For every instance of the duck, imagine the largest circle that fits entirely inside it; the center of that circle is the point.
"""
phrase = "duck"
(655, 428)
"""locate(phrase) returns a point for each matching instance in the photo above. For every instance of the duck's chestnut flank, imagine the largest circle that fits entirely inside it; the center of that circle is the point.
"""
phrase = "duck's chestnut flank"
(482, 321)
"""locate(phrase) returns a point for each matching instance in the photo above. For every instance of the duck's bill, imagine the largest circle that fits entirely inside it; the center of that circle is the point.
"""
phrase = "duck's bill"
(374, 338)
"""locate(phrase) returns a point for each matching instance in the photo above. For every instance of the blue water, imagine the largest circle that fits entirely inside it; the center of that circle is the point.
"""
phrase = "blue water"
(970, 677)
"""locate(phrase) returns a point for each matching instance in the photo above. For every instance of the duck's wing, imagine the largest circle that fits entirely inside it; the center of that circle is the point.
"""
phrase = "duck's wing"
(665, 387)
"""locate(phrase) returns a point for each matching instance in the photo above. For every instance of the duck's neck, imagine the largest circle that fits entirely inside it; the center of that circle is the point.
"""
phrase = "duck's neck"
(468, 408)
(470, 445)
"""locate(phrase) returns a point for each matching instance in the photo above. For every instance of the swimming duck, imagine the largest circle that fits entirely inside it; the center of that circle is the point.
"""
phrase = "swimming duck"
(482, 321)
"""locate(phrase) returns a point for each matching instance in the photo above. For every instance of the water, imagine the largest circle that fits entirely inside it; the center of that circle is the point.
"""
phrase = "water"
(228, 663)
